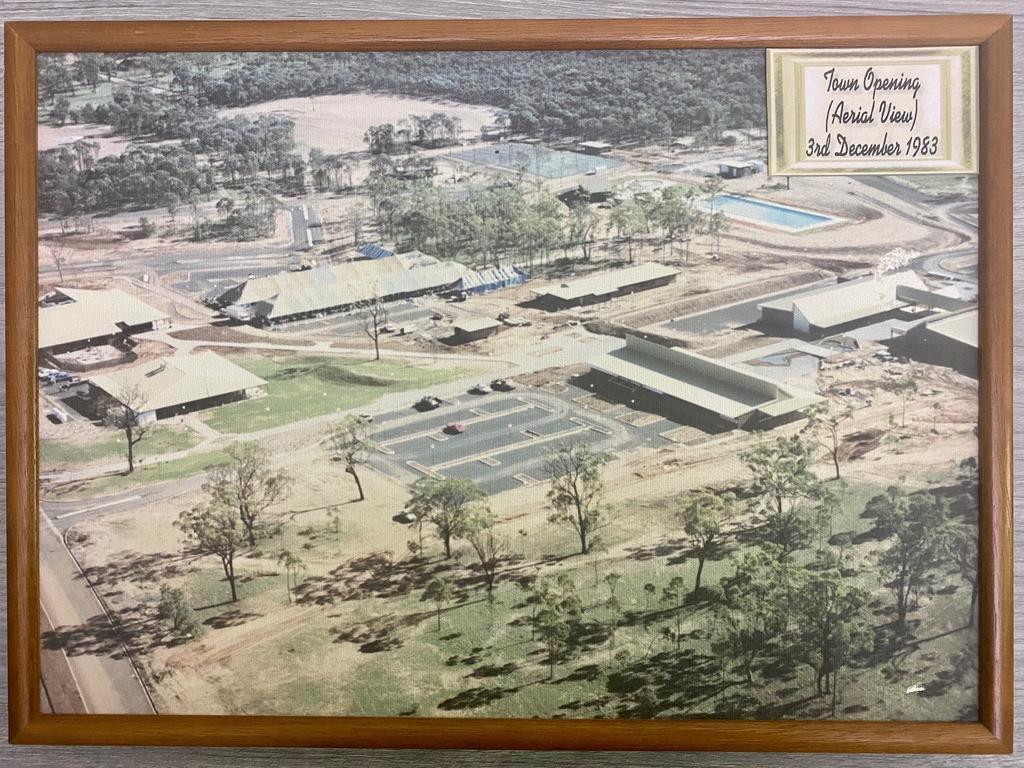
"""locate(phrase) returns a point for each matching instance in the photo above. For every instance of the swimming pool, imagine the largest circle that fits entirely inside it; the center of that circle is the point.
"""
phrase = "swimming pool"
(540, 161)
(774, 215)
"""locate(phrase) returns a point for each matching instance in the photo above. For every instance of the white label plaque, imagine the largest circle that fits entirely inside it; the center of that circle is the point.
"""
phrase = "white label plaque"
(879, 111)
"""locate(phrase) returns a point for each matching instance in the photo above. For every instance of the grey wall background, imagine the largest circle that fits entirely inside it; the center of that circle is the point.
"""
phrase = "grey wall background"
(66, 757)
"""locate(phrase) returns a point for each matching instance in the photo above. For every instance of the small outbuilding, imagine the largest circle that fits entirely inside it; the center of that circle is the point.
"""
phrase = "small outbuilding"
(594, 147)
(473, 328)
(737, 169)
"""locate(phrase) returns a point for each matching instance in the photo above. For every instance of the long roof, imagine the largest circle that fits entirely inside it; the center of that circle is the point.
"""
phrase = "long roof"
(958, 326)
(336, 285)
(177, 380)
(849, 301)
(606, 283)
(473, 323)
(713, 385)
(92, 314)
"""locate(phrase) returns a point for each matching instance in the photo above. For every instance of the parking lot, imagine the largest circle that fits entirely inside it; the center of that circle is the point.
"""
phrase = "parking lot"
(507, 436)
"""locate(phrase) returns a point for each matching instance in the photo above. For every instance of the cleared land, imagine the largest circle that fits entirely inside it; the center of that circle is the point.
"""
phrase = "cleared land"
(338, 123)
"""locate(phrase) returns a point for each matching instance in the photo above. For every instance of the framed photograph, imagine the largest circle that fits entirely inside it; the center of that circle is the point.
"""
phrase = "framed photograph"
(607, 384)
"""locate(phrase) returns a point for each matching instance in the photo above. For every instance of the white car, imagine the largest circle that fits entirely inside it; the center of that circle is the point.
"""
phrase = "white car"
(480, 389)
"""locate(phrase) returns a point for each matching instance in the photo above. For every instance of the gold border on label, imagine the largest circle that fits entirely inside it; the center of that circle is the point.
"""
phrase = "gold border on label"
(787, 123)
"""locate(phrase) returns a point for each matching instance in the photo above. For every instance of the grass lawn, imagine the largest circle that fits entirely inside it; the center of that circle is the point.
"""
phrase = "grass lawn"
(374, 648)
(83, 95)
(144, 475)
(157, 441)
(306, 386)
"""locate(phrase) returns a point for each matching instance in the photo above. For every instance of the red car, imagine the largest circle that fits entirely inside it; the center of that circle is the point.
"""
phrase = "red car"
(455, 428)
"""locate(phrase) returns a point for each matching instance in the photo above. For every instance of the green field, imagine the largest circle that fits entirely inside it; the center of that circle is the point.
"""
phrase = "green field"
(306, 386)
(157, 441)
(374, 648)
(145, 474)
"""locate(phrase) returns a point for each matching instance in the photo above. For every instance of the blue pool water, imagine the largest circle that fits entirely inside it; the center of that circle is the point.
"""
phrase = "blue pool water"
(540, 161)
(769, 214)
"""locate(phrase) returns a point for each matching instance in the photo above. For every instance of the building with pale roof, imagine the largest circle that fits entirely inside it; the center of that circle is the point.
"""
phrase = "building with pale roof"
(172, 386)
(76, 318)
(842, 306)
(697, 389)
(603, 286)
(950, 341)
(328, 288)
(473, 328)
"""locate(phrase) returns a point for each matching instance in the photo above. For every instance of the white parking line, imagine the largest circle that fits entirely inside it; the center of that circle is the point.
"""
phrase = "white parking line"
(96, 507)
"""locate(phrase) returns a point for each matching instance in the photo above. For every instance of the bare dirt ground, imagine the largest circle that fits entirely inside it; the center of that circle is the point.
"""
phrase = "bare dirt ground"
(51, 137)
(338, 123)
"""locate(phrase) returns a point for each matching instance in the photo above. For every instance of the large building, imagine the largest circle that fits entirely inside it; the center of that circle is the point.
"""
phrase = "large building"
(950, 340)
(843, 306)
(328, 288)
(172, 386)
(72, 319)
(603, 286)
(695, 389)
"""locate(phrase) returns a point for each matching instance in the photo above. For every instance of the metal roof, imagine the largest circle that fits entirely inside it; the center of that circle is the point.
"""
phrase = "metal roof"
(177, 380)
(374, 251)
(848, 301)
(292, 293)
(710, 384)
(961, 327)
(606, 283)
(474, 323)
(92, 314)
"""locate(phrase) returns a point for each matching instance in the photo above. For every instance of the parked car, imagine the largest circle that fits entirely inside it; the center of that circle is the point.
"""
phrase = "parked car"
(405, 517)
(366, 418)
(502, 385)
(436, 316)
(479, 389)
(428, 403)
(455, 428)
(387, 328)
(58, 416)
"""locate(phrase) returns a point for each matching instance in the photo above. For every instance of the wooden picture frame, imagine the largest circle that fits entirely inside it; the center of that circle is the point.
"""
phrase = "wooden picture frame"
(993, 731)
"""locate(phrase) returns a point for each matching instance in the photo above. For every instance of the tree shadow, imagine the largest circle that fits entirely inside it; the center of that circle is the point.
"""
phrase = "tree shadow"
(233, 618)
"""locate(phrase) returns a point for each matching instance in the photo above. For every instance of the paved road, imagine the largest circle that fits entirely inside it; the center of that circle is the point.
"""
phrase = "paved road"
(738, 314)
(96, 659)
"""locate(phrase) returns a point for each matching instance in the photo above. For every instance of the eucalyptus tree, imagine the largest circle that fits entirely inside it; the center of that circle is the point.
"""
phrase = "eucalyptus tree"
(349, 442)
(784, 489)
(577, 491)
(248, 484)
(702, 515)
(448, 503)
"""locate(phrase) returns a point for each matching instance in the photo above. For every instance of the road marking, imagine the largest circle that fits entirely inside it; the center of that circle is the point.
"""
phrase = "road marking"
(96, 507)
(435, 430)
(511, 447)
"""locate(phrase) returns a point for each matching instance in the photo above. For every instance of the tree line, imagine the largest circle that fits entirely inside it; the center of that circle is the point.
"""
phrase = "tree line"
(642, 95)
